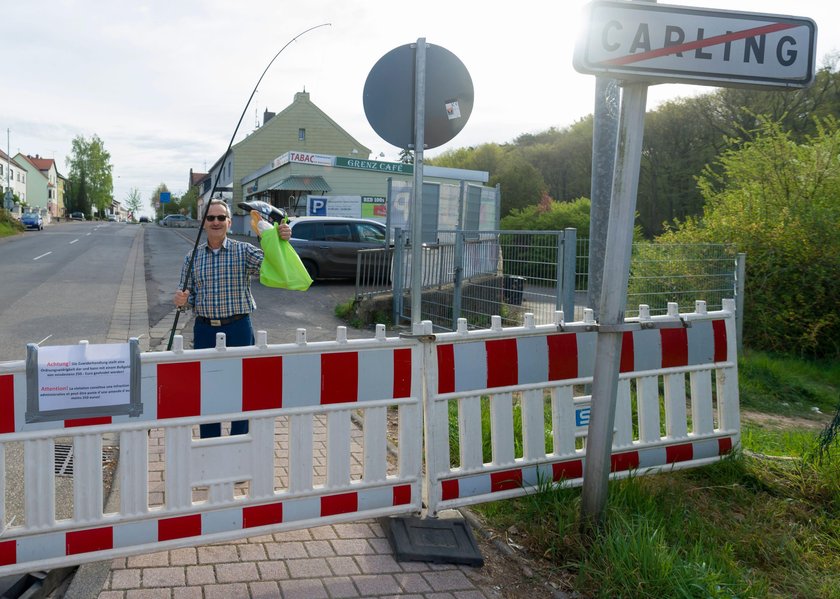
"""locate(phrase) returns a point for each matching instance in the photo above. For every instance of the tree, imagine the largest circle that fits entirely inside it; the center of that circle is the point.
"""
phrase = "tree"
(406, 156)
(779, 201)
(189, 203)
(89, 157)
(162, 209)
(133, 201)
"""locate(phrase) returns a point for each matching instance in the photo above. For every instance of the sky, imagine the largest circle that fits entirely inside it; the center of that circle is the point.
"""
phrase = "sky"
(164, 82)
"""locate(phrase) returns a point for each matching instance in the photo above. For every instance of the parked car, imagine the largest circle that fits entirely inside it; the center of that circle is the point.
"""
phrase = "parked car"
(77, 216)
(32, 220)
(327, 246)
(112, 218)
(178, 220)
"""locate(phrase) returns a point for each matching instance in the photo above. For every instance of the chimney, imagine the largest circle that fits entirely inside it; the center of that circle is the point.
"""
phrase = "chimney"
(267, 116)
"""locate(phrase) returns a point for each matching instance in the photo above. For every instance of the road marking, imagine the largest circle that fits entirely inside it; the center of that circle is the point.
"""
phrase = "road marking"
(74, 241)
(41, 256)
(87, 234)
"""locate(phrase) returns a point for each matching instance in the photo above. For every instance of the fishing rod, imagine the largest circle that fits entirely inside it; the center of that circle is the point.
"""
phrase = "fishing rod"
(219, 172)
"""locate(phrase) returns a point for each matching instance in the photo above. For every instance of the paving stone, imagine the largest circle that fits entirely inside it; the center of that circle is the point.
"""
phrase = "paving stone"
(308, 568)
(183, 557)
(148, 594)
(264, 590)
(244, 572)
(449, 580)
(226, 591)
(200, 575)
(163, 577)
(217, 554)
(285, 550)
(126, 579)
(111, 595)
(353, 530)
(352, 547)
(273, 570)
(187, 593)
(303, 589)
(377, 564)
(149, 560)
(382, 584)
(340, 587)
(319, 548)
(413, 582)
(343, 566)
(252, 552)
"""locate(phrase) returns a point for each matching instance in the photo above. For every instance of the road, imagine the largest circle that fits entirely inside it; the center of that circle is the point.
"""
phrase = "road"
(60, 284)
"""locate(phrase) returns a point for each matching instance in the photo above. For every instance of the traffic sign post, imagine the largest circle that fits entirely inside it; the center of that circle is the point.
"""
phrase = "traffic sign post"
(643, 43)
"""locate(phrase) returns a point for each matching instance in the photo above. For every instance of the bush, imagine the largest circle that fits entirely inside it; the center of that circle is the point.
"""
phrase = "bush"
(779, 201)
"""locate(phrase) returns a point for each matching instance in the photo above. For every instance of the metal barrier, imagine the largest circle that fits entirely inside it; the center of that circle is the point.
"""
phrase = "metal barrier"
(320, 416)
(476, 381)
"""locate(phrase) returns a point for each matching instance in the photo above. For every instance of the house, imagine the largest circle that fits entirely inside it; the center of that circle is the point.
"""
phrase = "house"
(47, 167)
(300, 127)
(12, 178)
(40, 184)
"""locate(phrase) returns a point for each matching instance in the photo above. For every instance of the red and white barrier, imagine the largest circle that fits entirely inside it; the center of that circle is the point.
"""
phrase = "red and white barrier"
(317, 447)
(309, 390)
(537, 370)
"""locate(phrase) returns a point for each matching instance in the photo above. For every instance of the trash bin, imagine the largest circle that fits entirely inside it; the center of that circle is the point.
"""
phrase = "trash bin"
(514, 288)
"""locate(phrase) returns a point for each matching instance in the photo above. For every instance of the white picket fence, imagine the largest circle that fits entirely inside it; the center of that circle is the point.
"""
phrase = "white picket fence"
(321, 417)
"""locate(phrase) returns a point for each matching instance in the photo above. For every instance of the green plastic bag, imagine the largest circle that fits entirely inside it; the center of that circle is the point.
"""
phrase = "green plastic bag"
(281, 266)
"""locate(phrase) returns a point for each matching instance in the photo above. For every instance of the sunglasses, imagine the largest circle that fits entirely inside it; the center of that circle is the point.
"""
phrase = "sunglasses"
(213, 217)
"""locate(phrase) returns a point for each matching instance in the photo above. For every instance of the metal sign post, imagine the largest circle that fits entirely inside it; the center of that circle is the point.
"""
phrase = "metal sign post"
(619, 245)
(417, 188)
(643, 43)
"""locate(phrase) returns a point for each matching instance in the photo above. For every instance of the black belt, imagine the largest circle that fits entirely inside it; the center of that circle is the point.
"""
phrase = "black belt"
(220, 322)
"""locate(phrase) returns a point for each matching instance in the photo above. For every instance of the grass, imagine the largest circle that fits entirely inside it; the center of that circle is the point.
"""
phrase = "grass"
(8, 225)
(751, 525)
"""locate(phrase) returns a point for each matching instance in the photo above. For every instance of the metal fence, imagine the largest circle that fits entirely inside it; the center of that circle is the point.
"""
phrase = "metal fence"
(476, 274)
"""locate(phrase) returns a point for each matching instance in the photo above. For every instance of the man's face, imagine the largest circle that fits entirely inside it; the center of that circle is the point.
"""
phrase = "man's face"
(216, 229)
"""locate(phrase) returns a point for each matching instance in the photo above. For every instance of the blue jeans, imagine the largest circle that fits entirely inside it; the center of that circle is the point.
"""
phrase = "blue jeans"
(237, 334)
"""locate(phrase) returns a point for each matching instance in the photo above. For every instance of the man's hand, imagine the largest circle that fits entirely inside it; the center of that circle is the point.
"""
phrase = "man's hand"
(181, 298)
(285, 231)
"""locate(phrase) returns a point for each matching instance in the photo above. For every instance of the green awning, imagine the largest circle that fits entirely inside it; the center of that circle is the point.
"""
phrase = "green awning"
(302, 183)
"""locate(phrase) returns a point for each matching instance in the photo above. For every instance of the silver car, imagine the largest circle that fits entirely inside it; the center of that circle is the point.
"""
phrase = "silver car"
(327, 245)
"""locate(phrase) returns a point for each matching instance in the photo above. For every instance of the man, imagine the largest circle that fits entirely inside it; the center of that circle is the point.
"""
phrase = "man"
(220, 291)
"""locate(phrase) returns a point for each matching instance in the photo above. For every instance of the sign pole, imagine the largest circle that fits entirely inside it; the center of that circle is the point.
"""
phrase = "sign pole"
(613, 301)
(417, 187)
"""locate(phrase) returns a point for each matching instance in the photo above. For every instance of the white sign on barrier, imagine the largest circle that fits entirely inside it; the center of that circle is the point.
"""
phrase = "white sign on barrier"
(83, 376)
(645, 41)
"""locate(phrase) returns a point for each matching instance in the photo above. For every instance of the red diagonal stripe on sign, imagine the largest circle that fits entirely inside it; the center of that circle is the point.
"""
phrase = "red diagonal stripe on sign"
(704, 43)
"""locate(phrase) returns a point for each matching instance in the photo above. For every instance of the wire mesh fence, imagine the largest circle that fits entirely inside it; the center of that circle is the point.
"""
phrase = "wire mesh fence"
(477, 274)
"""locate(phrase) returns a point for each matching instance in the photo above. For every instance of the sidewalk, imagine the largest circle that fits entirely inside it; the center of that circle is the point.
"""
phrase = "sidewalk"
(328, 562)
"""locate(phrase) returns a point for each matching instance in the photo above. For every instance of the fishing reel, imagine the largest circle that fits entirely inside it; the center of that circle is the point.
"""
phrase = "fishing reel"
(267, 212)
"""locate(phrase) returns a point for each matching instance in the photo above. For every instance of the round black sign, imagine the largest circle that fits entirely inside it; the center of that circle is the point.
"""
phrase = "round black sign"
(389, 96)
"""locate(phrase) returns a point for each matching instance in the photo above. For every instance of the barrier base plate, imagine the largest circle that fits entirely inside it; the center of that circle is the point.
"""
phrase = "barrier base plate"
(441, 541)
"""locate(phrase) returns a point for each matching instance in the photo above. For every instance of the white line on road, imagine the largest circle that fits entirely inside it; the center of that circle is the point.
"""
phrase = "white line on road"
(41, 256)
(74, 241)
(87, 234)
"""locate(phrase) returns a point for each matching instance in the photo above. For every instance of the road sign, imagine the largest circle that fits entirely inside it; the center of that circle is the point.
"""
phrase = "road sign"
(165, 197)
(659, 43)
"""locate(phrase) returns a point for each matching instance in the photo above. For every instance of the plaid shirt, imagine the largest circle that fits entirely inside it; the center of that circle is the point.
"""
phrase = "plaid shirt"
(220, 285)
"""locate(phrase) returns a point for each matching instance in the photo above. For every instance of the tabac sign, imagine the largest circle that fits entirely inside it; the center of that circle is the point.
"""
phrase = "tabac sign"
(659, 43)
